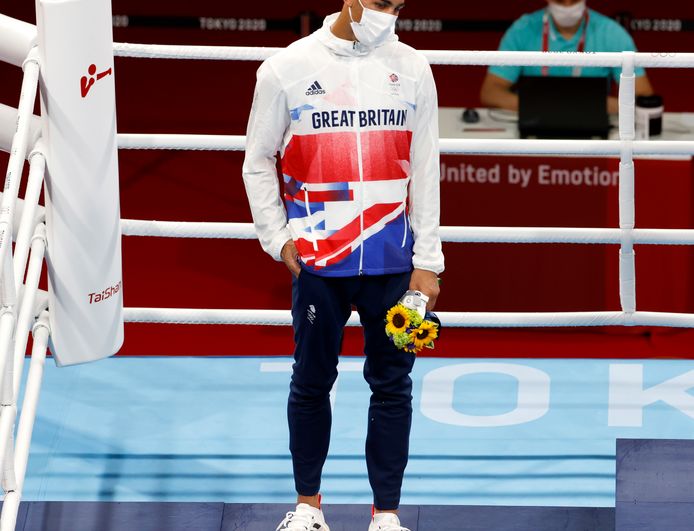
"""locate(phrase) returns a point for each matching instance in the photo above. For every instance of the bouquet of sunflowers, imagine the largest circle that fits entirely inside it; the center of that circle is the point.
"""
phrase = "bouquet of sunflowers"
(409, 326)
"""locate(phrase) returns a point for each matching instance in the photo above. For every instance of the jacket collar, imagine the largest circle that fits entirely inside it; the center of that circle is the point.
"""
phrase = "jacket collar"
(339, 46)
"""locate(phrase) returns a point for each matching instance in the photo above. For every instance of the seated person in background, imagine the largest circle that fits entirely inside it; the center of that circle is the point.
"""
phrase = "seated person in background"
(563, 26)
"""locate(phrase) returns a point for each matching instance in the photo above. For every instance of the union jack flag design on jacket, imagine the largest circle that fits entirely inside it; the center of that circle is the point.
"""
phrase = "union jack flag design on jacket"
(357, 132)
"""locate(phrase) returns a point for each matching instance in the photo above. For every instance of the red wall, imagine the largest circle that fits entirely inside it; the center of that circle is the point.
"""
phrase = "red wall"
(214, 97)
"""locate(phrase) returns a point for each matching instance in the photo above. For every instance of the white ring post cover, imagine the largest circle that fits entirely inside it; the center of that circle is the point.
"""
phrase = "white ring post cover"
(82, 200)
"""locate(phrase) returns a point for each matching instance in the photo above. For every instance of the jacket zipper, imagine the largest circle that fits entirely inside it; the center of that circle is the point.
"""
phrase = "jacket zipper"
(310, 220)
(355, 67)
(404, 217)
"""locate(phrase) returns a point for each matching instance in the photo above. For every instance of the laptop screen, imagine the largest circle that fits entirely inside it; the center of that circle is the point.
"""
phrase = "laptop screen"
(563, 107)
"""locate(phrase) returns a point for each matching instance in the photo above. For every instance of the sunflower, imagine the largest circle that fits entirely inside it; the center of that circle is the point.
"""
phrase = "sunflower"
(397, 320)
(424, 335)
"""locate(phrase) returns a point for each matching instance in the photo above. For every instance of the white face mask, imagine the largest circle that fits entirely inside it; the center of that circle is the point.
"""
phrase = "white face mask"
(375, 27)
(567, 16)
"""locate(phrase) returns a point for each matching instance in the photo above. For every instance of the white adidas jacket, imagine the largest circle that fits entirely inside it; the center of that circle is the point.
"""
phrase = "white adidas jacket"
(357, 131)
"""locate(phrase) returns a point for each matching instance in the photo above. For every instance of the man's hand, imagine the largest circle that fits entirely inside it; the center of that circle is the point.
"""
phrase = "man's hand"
(290, 257)
(428, 283)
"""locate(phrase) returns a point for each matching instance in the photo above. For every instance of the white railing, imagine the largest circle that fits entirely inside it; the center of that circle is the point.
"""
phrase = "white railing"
(449, 146)
(246, 231)
(453, 319)
(18, 296)
(435, 57)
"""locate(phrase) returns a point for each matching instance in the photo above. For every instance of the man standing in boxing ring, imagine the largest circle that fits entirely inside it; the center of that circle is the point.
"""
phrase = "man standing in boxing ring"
(353, 113)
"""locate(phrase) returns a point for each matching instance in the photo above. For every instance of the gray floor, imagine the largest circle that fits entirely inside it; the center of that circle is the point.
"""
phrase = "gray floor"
(136, 516)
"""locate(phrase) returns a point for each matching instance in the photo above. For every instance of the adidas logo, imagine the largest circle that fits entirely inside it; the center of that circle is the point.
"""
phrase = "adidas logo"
(315, 89)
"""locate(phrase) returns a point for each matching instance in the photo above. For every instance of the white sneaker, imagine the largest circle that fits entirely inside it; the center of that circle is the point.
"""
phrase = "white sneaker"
(305, 518)
(386, 522)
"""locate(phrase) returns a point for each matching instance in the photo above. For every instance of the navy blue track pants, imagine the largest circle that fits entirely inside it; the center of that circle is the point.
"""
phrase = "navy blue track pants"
(320, 309)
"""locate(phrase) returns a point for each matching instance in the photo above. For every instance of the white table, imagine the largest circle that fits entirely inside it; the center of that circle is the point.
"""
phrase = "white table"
(497, 123)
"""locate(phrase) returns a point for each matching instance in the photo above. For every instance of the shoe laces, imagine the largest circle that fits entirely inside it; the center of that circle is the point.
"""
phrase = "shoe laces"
(299, 520)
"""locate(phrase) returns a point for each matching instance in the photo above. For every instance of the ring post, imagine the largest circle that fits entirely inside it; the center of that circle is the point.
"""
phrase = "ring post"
(82, 201)
(627, 257)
